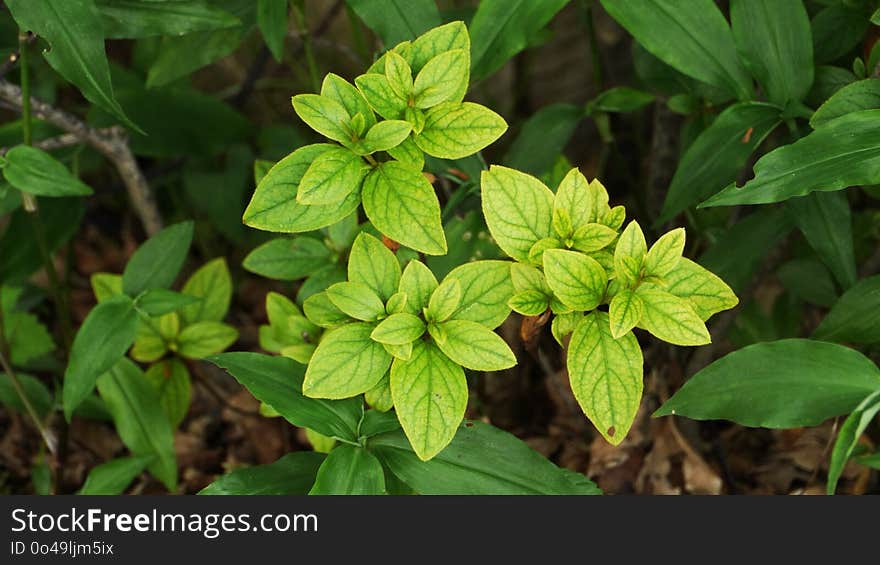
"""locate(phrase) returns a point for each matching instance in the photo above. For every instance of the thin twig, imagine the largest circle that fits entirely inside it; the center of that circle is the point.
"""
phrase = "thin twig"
(48, 437)
(52, 143)
(112, 143)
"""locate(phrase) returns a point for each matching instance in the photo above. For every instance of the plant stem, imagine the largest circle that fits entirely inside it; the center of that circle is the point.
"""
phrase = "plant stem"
(47, 435)
(299, 17)
(27, 200)
(594, 44)
(30, 203)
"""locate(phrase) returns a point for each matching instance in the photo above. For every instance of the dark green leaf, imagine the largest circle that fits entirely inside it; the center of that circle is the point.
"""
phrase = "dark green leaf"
(277, 381)
(139, 418)
(825, 220)
(74, 32)
(856, 316)
(288, 259)
(773, 38)
(861, 95)
(180, 55)
(842, 153)
(716, 157)
(292, 474)
(350, 470)
(837, 29)
(397, 20)
(621, 99)
(36, 172)
(157, 262)
(106, 334)
(502, 28)
(779, 384)
(848, 437)
(480, 460)
(826, 82)
(129, 19)
(272, 19)
(177, 120)
(694, 38)
(113, 477)
(809, 280)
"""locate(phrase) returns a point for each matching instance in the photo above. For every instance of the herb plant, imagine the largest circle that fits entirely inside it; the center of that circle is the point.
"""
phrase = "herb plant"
(405, 232)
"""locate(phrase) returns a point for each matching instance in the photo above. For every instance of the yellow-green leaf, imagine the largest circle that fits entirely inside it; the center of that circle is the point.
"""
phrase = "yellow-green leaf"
(624, 312)
(472, 345)
(346, 363)
(576, 279)
(664, 255)
(430, 395)
(606, 376)
(671, 318)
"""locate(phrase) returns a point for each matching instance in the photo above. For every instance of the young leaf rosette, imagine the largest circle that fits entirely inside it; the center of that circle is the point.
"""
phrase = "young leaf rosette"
(417, 90)
(403, 339)
(599, 283)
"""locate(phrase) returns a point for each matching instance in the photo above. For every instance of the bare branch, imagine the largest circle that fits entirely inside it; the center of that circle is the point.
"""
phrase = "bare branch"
(112, 143)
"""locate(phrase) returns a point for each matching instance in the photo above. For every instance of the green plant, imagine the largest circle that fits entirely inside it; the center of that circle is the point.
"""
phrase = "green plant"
(395, 251)
(403, 340)
(571, 258)
(788, 48)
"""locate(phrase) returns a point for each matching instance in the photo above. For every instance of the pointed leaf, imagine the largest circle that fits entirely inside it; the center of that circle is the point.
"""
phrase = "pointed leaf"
(350, 470)
(274, 206)
(332, 177)
(139, 418)
(694, 39)
(480, 460)
(706, 293)
(576, 279)
(774, 40)
(213, 285)
(106, 334)
(114, 476)
(401, 203)
(780, 384)
(346, 363)
(472, 345)
(278, 382)
(625, 312)
(357, 300)
(843, 153)
(399, 329)
(502, 28)
(75, 35)
(157, 262)
(715, 158)
(485, 290)
(430, 396)
(456, 130)
(855, 317)
(671, 318)
(518, 210)
(418, 283)
(664, 255)
(374, 265)
(606, 376)
(36, 172)
(324, 115)
(292, 474)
